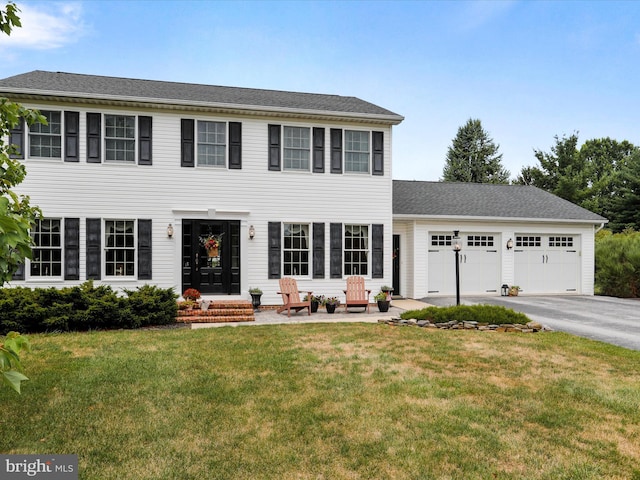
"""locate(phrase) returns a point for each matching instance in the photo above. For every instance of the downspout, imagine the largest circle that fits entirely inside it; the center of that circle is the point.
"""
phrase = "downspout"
(600, 227)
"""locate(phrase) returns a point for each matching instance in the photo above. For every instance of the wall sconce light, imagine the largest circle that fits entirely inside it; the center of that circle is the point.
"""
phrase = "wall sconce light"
(170, 231)
(509, 244)
(252, 232)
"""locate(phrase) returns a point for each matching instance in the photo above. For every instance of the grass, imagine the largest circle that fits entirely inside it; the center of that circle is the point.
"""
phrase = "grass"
(346, 401)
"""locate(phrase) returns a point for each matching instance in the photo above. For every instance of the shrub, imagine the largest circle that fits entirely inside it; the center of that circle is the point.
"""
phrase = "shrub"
(490, 314)
(618, 264)
(84, 307)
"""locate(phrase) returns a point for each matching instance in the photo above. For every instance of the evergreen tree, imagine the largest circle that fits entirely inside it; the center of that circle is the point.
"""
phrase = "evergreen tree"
(626, 204)
(473, 157)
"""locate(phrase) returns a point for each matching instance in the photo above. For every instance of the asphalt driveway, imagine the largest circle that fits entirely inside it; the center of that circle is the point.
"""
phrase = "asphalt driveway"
(607, 319)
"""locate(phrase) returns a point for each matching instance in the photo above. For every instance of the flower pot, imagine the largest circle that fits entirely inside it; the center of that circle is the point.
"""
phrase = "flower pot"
(255, 300)
(383, 305)
(314, 306)
(330, 308)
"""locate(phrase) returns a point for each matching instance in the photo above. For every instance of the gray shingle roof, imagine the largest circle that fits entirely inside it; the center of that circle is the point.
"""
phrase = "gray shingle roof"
(485, 200)
(93, 86)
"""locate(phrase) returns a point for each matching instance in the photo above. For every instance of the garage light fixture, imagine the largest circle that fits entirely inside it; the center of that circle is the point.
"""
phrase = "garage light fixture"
(509, 244)
(170, 231)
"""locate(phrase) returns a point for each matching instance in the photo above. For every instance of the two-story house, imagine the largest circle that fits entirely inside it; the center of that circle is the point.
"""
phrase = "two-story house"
(134, 176)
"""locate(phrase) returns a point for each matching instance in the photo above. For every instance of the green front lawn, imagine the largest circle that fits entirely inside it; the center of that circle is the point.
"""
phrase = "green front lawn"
(345, 401)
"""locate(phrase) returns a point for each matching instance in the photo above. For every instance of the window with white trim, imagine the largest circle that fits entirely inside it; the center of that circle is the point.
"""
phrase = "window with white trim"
(296, 148)
(561, 241)
(356, 249)
(212, 144)
(528, 241)
(120, 248)
(296, 249)
(441, 240)
(356, 151)
(47, 252)
(45, 141)
(120, 138)
(479, 240)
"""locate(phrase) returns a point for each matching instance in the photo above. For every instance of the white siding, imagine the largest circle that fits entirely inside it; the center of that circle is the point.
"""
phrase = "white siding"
(416, 247)
(168, 193)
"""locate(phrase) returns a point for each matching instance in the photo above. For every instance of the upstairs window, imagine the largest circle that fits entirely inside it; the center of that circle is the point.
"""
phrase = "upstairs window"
(120, 138)
(356, 151)
(297, 144)
(45, 141)
(47, 252)
(211, 144)
(296, 249)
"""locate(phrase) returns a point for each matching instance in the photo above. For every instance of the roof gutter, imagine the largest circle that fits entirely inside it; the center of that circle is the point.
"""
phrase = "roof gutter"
(471, 218)
(391, 119)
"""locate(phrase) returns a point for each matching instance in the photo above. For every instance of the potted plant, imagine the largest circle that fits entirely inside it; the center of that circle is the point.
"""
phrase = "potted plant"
(331, 303)
(383, 301)
(514, 290)
(315, 302)
(256, 294)
(192, 295)
(387, 290)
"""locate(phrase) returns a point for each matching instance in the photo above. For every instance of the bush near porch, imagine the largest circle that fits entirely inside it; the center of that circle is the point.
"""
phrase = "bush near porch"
(84, 307)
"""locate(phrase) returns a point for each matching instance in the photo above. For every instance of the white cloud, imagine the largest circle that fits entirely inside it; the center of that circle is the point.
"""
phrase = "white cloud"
(46, 26)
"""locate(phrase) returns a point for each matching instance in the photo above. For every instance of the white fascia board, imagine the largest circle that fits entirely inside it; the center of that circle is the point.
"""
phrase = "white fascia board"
(388, 119)
(470, 218)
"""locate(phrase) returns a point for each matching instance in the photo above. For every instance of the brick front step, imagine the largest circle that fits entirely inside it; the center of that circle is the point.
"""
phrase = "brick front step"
(219, 311)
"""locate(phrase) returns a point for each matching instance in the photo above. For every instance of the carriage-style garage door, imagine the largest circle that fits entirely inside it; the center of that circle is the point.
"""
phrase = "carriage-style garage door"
(547, 263)
(479, 264)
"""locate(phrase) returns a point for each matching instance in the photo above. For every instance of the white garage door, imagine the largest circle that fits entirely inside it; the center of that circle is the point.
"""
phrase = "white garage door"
(547, 263)
(479, 264)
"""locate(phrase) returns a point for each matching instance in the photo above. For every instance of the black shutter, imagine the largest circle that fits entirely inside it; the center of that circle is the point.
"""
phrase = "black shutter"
(144, 249)
(19, 273)
(274, 147)
(318, 250)
(235, 145)
(145, 127)
(71, 138)
(318, 150)
(377, 251)
(335, 231)
(16, 137)
(336, 150)
(187, 143)
(94, 132)
(274, 249)
(378, 153)
(72, 249)
(94, 242)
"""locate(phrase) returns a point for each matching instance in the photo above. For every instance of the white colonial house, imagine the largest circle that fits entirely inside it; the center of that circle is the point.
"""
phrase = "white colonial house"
(133, 175)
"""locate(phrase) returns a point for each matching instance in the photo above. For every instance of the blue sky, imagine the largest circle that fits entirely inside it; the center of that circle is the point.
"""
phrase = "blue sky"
(529, 70)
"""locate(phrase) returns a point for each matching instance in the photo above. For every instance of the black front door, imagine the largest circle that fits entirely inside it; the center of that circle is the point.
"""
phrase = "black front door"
(396, 265)
(211, 270)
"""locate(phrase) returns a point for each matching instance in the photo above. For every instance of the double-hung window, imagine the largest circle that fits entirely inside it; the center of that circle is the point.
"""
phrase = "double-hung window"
(297, 145)
(47, 252)
(356, 151)
(120, 138)
(212, 144)
(356, 249)
(120, 249)
(45, 141)
(296, 249)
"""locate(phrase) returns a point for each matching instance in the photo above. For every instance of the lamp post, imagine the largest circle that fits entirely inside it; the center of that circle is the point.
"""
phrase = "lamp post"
(456, 248)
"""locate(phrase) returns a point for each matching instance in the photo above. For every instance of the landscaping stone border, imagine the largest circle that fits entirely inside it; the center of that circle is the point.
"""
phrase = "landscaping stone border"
(531, 327)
